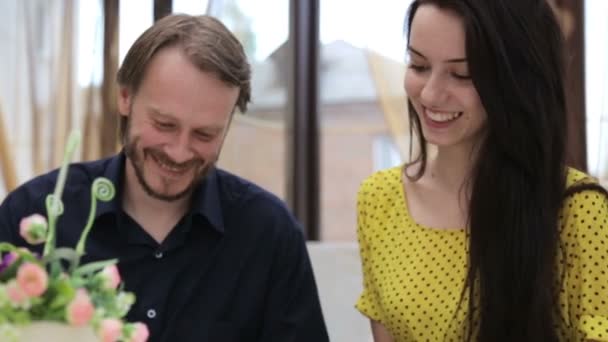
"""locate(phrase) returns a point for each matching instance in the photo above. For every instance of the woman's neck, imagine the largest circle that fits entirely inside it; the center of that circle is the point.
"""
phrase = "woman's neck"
(450, 167)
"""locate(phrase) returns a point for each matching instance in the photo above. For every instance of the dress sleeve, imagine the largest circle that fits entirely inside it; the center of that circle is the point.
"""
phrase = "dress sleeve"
(368, 303)
(585, 239)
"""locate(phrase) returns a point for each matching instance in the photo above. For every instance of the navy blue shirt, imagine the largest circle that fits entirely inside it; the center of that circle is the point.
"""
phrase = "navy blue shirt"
(235, 268)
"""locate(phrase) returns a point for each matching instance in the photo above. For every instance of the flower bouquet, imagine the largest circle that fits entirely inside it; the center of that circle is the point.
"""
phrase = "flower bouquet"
(53, 297)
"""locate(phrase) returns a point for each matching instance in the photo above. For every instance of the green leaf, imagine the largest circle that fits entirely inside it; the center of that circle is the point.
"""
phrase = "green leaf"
(7, 247)
(10, 272)
(64, 292)
(21, 317)
(94, 267)
(68, 254)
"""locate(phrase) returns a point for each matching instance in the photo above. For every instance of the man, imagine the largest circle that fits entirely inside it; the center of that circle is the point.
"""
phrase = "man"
(210, 256)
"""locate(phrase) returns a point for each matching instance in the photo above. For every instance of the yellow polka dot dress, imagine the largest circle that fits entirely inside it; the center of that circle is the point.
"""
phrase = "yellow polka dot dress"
(413, 276)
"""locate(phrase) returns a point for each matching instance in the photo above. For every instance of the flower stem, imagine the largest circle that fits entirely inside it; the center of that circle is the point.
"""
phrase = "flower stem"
(87, 228)
(53, 206)
(102, 189)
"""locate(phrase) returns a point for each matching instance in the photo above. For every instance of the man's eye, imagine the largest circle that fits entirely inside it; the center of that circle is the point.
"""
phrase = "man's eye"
(165, 125)
(204, 136)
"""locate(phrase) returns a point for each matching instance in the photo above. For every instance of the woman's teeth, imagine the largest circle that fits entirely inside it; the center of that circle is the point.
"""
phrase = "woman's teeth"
(442, 117)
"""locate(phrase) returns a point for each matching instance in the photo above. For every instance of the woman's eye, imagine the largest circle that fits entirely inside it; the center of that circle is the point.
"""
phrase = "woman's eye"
(461, 76)
(418, 68)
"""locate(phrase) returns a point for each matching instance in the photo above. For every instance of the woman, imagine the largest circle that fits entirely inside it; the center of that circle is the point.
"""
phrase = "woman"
(492, 237)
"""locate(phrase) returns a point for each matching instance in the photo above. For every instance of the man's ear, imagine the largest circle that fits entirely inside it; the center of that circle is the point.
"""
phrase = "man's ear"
(125, 98)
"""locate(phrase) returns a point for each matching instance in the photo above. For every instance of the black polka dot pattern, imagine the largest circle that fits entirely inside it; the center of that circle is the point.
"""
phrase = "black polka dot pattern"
(413, 276)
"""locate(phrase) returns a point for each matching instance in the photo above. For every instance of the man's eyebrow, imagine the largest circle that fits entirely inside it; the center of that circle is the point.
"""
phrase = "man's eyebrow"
(158, 113)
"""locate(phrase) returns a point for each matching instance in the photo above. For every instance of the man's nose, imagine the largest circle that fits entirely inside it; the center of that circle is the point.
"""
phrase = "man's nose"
(180, 151)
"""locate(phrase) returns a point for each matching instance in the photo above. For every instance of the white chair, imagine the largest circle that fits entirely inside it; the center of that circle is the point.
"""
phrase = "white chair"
(338, 273)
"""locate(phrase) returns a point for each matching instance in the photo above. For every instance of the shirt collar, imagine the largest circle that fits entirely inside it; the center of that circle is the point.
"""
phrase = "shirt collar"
(205, 200)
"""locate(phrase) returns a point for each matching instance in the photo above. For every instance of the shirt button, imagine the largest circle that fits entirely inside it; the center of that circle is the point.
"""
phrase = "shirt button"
(151, 313)
(158, 255)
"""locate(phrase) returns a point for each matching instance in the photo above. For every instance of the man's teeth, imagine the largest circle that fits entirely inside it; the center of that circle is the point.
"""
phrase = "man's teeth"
(442, 117)
(168, 167)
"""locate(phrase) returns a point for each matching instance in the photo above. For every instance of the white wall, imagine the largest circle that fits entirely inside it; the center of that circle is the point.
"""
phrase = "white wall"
(596, 84)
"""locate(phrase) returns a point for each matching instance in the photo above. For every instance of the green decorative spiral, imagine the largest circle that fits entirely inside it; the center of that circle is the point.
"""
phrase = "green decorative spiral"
(54, 205)
(103, 189)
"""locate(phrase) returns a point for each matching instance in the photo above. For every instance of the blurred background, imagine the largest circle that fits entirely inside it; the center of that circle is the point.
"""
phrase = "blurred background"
(328, 103)
(310, 147)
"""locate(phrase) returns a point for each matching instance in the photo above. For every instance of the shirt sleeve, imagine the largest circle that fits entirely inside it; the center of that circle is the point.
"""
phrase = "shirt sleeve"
(26, 200)
(585, 239)
(368, 302)
(8, 225)
(293, 311)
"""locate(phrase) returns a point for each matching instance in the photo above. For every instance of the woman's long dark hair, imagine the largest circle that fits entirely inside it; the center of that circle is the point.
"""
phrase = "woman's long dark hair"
(515, 58)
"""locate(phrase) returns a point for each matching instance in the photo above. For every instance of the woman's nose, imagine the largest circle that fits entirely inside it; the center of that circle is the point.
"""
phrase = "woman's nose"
(434, 92)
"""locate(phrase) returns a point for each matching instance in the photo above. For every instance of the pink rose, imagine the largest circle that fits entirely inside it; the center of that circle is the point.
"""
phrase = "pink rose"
(110, 276)
(110, 330)
(140, 333)
(33, 229)
(80, 310)
(16, 295)
(32, 279)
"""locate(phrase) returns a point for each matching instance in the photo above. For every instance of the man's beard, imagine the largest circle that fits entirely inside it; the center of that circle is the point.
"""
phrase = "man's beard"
(200, 167)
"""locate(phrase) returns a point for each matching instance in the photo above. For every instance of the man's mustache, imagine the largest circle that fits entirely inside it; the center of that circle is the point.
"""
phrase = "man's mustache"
(165, 159)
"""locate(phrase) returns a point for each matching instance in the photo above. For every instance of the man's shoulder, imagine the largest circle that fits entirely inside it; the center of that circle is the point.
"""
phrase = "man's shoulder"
(30, 197)
(240, 191)
(79, 174)
(252, 202)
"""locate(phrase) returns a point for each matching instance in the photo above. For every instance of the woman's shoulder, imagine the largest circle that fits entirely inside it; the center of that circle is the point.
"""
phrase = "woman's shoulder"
(575, 177)
(388, 176)
(584, 219)
(382, 181)
(585, 202)
(581, 186)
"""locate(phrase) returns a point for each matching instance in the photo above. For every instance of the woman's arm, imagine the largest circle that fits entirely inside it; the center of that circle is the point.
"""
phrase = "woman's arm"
(380, 333)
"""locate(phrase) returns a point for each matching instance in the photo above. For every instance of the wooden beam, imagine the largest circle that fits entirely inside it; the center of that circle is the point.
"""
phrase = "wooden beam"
(109, 88)
(162, 8)
(36, 129)
(572, 20)
(303, 115)
(7, 158)
(62, 123)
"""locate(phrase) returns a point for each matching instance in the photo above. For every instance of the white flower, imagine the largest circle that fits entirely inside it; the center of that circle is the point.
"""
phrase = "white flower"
(123, 302)
(9, 333)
